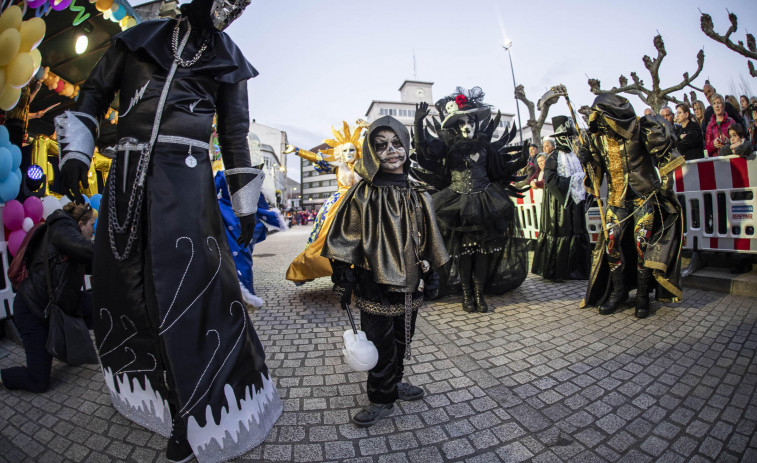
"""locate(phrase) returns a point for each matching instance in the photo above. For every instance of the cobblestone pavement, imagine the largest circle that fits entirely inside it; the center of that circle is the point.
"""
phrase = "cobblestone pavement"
(536, 380)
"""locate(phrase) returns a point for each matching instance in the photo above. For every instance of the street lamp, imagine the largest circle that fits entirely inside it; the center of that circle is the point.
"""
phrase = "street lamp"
(507, 45)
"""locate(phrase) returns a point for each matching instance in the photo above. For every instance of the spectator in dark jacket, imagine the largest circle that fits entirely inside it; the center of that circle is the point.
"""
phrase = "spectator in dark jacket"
(69, 251)
(716, 134)
(746, 111)
(690, 142)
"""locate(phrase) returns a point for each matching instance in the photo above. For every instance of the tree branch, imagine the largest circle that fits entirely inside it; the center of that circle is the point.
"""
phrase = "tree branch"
(750, 51)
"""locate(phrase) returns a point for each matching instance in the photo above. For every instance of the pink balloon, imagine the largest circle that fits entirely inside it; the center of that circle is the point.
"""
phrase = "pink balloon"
(15, 240)
(33, 208)
(13, 215)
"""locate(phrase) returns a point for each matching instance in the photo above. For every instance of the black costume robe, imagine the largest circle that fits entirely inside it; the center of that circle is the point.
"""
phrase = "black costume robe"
(563, 247)
(172, 329)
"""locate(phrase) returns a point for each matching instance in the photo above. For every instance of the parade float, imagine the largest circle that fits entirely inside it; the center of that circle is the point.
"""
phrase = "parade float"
(55, 42)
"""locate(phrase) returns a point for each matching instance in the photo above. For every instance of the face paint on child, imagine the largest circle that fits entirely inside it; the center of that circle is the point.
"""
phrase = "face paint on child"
(389, 149)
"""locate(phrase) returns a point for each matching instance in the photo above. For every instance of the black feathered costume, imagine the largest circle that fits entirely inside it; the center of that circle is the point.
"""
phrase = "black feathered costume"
(473, 207)
(172, 330)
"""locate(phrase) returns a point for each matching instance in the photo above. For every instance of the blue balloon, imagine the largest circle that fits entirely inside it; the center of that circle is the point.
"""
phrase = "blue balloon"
(5, 137)
(9, 188)
(119, 13)
(17, 173)
(94, 201)
(6, 161)
(16, 153)
(86, 199)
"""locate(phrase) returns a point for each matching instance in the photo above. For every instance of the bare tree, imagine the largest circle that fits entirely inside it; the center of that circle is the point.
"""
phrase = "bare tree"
(750, 51)
(535, 123)
(655, 97)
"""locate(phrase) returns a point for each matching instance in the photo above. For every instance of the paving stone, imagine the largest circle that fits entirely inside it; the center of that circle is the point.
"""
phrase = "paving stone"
(536, 380)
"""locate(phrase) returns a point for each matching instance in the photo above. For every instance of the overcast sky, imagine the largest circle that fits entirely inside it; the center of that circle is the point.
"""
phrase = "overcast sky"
(324, 61)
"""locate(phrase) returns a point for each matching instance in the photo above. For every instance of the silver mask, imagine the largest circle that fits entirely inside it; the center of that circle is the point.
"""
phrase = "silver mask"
(224, 12)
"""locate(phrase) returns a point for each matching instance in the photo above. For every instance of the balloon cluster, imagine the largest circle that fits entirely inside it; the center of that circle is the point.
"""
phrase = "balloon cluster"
(10, 160)
(19, 219)
(115, 12)
(19, 57)
(56, 84)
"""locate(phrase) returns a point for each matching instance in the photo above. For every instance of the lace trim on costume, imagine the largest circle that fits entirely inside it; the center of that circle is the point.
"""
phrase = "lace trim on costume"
(376, 308)
(74, 155)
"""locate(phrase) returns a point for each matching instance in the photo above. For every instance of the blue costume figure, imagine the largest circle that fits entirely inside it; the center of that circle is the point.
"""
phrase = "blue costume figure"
(243, 254)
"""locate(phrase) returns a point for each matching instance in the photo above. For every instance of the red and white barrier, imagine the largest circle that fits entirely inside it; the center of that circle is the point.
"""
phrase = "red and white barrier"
(718, 197)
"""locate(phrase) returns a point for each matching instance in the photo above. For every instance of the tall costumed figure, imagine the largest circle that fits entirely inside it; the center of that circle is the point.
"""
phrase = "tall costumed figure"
(345, 151)
(563, 248)
(473, 176)
(641, 243)
(178, 351)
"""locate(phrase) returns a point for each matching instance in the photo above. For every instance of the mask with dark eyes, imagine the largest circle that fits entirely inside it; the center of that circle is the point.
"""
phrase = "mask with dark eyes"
(224, 12)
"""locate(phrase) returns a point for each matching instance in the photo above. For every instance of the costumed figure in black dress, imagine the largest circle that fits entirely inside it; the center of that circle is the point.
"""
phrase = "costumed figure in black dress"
(384, 245)
(643, 231)
(563, 247)
(473, 207)
(177, 347)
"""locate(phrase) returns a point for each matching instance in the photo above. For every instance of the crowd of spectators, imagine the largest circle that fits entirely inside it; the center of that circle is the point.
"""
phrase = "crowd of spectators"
(723, 128)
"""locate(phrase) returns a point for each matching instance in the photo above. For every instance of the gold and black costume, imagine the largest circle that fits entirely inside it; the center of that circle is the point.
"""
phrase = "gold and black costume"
(644, 226)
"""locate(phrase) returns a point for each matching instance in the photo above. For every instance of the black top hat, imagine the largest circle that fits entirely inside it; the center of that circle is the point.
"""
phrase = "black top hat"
(462, 103)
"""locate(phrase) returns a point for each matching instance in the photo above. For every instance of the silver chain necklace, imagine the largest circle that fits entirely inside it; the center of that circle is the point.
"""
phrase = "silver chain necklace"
(175, 45)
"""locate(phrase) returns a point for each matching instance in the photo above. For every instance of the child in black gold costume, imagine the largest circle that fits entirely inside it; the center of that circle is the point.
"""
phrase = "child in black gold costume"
(383, 247)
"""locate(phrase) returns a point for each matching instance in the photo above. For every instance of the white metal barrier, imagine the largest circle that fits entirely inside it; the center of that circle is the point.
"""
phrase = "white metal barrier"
(6, 290)
(718, 197)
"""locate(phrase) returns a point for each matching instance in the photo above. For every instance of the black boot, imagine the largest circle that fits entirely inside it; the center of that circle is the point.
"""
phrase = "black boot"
(644, 278)
(178, 449)
(466, 272)
(619, 293)
(478, 294)
(480, 271)
(468, 304)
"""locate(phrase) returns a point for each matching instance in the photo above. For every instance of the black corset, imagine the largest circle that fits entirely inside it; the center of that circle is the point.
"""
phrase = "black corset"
(469, 174)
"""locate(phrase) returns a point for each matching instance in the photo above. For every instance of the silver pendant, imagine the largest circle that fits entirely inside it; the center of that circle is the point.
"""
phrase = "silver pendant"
(474, 157)
(190, 161)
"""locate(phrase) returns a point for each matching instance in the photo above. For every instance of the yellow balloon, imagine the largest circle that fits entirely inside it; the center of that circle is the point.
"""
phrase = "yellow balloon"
(32, 33)
(68, 90)
(37, 57)
(10, 41)
(9, 97)
(11, 18)
(20, 70)
(131, 22)
(2, 77)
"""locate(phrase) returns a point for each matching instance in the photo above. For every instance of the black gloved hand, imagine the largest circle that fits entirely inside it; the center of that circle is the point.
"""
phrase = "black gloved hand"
(73, 172)
(247, 227)
(421, 111)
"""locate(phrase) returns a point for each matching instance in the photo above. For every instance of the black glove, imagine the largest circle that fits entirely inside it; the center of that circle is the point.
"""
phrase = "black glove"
(421, 111)
(73, 172)
(247, 227)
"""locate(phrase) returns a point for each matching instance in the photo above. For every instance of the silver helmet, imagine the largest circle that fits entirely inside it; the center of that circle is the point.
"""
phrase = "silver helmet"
(224, 12)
